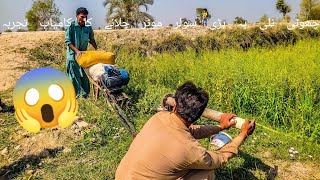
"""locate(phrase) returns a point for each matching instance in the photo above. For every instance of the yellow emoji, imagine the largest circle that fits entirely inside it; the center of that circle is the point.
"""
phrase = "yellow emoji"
(43, 98)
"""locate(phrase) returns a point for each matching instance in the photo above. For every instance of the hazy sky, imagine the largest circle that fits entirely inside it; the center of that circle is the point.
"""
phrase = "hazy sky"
(165, 11)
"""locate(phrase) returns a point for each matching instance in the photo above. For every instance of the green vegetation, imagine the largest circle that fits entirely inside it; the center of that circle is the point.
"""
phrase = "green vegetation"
(264, 19)
(129, 11)
(309, 10)
(239, 20)
(278, 87)
(280, 90)
(41, 12)
(229, 38)
(275, 80)
(283, 7)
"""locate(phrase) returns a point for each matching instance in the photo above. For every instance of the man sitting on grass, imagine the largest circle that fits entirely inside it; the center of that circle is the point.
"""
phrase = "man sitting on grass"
(166, 147)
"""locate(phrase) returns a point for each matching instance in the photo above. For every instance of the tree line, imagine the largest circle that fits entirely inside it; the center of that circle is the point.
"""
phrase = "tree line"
(135, 12)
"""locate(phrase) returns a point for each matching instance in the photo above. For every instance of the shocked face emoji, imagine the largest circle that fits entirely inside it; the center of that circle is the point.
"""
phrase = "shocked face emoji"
(43, 98)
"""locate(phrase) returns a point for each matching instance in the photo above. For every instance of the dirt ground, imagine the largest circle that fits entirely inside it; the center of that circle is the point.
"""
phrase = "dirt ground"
(12, 60)
(293, 170)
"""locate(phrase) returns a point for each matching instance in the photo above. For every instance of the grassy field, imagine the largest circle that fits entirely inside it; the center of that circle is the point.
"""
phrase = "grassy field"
(278, 87)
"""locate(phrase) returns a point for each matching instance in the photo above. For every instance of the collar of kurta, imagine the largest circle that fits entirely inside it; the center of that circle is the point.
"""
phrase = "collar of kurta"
(177, 121)
(76, 23)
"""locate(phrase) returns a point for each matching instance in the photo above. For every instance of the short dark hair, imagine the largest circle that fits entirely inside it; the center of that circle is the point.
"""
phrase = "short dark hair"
(191, 101)
(82, 10)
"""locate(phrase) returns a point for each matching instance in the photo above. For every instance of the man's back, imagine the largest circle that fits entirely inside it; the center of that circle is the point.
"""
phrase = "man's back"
(163, 149)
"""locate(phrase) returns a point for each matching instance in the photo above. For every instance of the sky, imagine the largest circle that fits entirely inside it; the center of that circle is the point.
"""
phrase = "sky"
(164, 11)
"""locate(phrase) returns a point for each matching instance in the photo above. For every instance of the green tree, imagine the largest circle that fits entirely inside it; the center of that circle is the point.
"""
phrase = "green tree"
(309, 10)
(315, 15)
(128, 11)
(21, 30)
(41, 12)
(185, 21)
(283, 8)
(33, 21)
(287, 18)
(199, 15)
(224, 22)
(239, 20)
(198, 21)
(264, 19)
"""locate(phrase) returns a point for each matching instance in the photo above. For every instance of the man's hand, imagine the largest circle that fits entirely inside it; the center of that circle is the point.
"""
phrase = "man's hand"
(247, 128)
(78, 54)
(164, 99)
(225, 122)
(164, 102)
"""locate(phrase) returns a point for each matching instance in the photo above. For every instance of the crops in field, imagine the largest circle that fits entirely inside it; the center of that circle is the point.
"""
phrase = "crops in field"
(279, 87)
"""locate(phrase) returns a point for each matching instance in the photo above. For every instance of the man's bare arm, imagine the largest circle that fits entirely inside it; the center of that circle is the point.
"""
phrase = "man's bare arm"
(78, 53)
(94, 45)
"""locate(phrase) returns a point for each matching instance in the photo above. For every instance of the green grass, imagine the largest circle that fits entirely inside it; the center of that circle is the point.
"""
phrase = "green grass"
(278, 87)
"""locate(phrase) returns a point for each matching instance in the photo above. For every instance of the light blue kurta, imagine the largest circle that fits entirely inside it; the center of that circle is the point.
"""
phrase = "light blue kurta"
(79, 37)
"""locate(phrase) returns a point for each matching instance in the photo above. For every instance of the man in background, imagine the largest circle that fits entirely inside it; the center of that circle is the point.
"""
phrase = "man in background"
(205, 17)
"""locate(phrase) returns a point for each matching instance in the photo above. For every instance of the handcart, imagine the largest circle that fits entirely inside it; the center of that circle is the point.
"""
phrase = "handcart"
(116, 99)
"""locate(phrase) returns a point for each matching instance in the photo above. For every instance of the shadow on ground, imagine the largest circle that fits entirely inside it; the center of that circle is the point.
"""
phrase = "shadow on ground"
(244, 171)
(27, 162)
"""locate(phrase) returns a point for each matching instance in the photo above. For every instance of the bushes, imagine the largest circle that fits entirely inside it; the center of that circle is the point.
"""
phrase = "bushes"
(208, 42)
(174, 43)
(229, 38)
